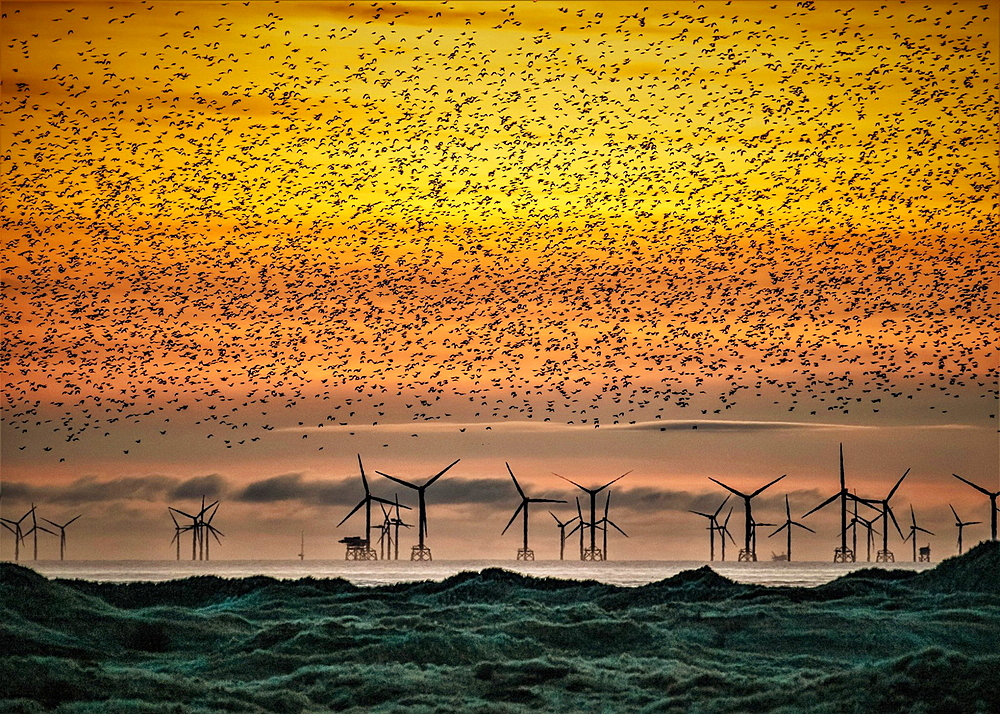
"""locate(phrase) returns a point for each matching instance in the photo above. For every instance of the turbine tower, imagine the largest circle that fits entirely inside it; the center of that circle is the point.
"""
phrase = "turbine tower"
(788, 524)
(749, 552)
(993, 504)
(420, 551)
(524, 553)
(15, 528)
(593, 553)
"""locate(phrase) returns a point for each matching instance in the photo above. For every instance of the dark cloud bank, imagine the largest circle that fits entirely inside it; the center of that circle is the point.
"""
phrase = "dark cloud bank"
(871, 641)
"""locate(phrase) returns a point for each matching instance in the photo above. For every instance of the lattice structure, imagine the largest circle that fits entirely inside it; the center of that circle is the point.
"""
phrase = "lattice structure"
(360, 552)
(885, 556)
(747, 556)
(843, 555)
(925, 554)
(420, 552)
(525, 554)
(592, 554)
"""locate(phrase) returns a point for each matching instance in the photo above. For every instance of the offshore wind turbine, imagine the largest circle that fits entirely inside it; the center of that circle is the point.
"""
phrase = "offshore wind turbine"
(524, 553)
(724, 530)
(62, 534)
(212, 530)
(913, 532)
(593, 553)
(749, 552)
(15, 528)
(885, 555)
(713, 526)
(420, 551)
(365, 552)
(993, 504)
(562, 533)
(961, 525)
(788, 524)
(843, 554)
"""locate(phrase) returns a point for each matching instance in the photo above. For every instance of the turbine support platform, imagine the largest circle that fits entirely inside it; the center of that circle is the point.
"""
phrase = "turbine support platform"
(747, 556)
(525, 554)
(843, 555)
(420, 552)
(925, 554)
(360, 552)
(885, 556)
(592, 554)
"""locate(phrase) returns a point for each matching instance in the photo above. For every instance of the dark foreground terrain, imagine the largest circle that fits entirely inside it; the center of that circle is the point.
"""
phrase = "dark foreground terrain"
(873, 641)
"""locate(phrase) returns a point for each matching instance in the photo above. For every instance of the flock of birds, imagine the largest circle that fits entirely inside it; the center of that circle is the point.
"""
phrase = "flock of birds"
(584, 213)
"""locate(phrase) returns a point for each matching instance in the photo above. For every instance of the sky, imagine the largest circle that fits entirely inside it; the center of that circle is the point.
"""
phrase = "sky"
(246, 243)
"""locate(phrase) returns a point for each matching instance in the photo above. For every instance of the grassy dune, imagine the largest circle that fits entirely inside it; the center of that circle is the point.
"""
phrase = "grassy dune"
(494, 641)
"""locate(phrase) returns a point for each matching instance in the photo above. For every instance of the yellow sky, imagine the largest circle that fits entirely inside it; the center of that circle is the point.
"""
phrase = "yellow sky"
(256, 215)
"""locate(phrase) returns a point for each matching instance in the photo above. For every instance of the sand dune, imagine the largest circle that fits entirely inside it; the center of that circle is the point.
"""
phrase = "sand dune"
(497, 641)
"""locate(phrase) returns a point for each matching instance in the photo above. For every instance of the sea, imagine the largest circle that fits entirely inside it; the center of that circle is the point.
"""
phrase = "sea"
(388, 572)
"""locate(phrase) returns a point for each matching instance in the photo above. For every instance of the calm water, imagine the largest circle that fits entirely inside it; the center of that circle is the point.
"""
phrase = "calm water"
(628, 573)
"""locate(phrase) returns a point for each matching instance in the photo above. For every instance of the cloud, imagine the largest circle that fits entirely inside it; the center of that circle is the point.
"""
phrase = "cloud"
(89, 489)
(293, 487)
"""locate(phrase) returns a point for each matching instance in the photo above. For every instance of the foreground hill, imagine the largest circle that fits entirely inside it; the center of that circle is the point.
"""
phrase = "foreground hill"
(495, 641)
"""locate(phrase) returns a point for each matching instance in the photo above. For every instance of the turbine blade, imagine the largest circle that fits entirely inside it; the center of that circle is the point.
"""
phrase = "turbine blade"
(764, 488)
(516, 484)
(440, 473)
(728, 488)
(613, 480)
(615, 526)
(362, 502)
(978, 488)
(957, 519)
(923, 530)
(897, 485)
(780, 529)
(399, 481)
(544, 500)
(825, 503)
(572, 482)
(512, 518)
(894, 521)
(802, 526)
(721, 506)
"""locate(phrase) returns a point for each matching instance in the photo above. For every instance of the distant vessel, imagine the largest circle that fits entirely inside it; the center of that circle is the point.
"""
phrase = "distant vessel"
(779, 556)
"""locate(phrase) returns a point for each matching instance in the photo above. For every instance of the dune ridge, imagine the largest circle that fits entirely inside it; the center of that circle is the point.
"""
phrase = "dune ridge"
(497, 641)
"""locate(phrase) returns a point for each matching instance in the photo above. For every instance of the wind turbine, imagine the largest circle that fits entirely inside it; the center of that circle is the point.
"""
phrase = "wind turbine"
(713, 526)
(524, 553)
(196, 527)
(593, 553)
(993, 504)
(788, 524)
(608, 522)
(213, 531)
(913, 532)
(960, 524)
(885, 555)
(15, 528)
(562, 533)
(365, 552)
(869, 529)
(749, 553)
(843, 554)
(62, 535)
(396, 523)
(580, 525)
(420, 551)
(34, 530)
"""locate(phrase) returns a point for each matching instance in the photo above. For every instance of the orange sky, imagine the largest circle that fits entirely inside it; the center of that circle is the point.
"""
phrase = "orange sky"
(238, 221)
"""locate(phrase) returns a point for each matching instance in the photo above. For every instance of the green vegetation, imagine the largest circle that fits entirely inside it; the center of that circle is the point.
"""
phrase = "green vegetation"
(496, 641)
